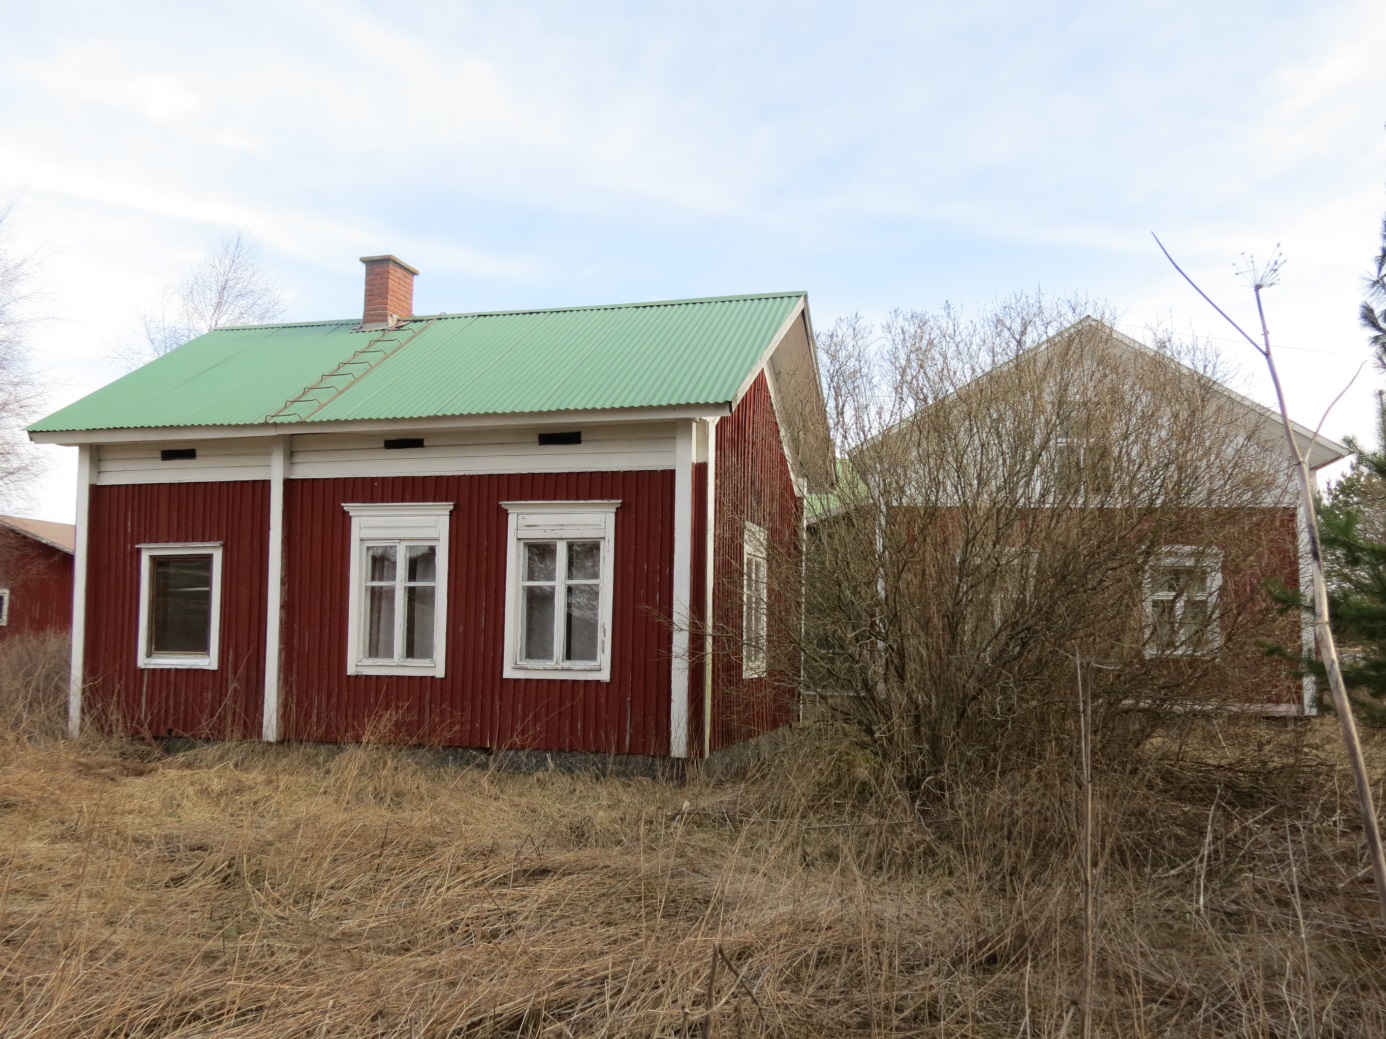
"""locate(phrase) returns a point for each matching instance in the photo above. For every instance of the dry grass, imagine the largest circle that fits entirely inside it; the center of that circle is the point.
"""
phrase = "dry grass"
(246, 890)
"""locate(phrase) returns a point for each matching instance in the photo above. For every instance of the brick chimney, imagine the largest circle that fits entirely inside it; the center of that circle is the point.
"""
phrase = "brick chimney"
(389, 291)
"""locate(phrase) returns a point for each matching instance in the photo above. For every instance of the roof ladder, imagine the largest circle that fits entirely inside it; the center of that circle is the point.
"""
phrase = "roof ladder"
(317, 395)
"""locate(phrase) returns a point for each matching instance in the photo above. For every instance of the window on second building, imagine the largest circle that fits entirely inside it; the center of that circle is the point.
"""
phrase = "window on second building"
(1181, 600)
(755, 600)
(559, 589)
(397, 604)
(4, 607)
(180, 605)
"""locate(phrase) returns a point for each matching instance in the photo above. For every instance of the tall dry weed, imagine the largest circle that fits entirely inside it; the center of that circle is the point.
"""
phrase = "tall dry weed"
(251, 890)
(33, 687)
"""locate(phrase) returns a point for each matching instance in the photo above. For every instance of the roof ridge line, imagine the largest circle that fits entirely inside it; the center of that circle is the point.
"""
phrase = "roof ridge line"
(445, 315)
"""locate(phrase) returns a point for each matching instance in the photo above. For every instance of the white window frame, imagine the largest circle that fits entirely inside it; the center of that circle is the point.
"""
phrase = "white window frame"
(202, 661)
(755, 600)
(1185, 556)
(399, 523)
(559, 521)
(4, 607)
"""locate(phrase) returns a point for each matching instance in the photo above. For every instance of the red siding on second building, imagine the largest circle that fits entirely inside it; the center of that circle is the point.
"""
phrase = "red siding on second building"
(473, 706)
(39, 579)
(224, 703)
(753, 482)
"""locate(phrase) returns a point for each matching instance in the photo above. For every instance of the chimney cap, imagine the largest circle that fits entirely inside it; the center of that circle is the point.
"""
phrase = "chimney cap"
(391, 259)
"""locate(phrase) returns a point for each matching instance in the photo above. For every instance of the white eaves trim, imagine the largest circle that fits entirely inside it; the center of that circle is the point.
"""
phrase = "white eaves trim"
(422, 425)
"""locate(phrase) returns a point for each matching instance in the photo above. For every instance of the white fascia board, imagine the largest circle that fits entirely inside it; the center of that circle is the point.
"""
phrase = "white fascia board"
(71, 438)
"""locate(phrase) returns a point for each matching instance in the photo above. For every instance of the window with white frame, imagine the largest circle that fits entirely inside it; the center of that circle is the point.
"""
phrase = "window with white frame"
(1181, 599)
(397, 602)
(180, 605)
(755, 595)
(4, 607)
(558, 598)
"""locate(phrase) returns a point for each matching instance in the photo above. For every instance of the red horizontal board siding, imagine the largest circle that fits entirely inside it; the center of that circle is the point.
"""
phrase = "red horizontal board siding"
(473, 706)
(39, 580)
(220, 704)
(753, 483)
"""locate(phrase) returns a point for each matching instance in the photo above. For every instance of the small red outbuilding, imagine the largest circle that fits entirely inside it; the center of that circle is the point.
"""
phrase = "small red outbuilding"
(566, 530)
(35, 576)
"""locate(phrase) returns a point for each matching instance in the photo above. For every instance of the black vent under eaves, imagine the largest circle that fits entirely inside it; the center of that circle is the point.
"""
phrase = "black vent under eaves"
(549, 439)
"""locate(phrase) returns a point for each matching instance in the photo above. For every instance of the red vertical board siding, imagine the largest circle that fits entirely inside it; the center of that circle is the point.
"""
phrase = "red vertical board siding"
(697, 597)
(753, 483)
(220, 704)
(473, 706)
(39, 580)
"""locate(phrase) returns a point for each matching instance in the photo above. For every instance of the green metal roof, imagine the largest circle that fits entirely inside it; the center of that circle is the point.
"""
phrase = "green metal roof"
(636, 355)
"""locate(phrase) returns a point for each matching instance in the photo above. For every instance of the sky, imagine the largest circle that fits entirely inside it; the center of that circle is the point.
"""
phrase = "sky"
(877, 155)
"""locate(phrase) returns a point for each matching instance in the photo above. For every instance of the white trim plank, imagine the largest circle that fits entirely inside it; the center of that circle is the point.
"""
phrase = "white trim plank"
(462, 452)
(683, 574)
(87, 458)
(274, 587)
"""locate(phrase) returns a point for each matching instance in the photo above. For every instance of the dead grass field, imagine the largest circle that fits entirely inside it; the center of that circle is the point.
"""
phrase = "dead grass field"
(256, 891)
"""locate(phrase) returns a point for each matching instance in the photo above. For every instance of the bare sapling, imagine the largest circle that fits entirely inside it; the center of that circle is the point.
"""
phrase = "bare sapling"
(1262, 278)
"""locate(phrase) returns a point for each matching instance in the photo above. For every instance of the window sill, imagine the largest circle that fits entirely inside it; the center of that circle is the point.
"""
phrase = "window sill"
(572, 673)
(424, 668)
(194, 663)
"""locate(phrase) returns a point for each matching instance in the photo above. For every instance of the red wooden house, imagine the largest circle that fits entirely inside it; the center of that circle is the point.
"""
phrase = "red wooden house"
(541, 530)
(35, 576)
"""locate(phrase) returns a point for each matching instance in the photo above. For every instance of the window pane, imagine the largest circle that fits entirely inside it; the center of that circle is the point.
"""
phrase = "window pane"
(180, 618)
(422, 564)
(380, 563)
(1162, 626)
(537, 637)
(1195, 625)
(584, 560)
(541, 560)
(580, 641)
(418, 623)
(380, 623)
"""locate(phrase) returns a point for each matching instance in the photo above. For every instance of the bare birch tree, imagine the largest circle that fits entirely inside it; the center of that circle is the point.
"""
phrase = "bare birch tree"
(19, 395)
(229, 287)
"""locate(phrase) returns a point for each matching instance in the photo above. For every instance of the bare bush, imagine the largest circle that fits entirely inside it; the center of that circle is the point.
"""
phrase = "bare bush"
(1022, 490)
(33, 687)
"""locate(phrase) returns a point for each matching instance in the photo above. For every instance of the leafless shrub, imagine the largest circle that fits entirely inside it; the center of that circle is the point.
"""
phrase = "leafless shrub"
(1020, 490)
(33, 687)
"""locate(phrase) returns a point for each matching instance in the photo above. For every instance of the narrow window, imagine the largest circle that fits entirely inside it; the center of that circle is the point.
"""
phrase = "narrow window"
(397, 601)
(1181, 595)
(755, 594)
(180, 605)
(559, 590)
(4, 607)
(177, 454)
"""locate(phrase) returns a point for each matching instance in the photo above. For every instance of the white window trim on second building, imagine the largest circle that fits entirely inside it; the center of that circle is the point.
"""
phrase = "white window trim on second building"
(402, 524)
(561, 522)
(755, 599)
(1191, 557)
(4, 607)
(145, 655)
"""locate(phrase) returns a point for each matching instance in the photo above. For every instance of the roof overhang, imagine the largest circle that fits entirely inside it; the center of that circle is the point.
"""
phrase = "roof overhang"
(683, 412)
